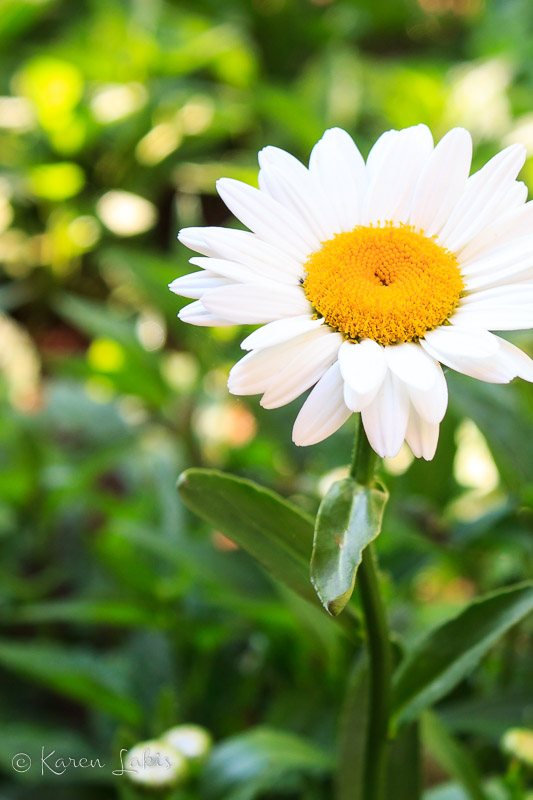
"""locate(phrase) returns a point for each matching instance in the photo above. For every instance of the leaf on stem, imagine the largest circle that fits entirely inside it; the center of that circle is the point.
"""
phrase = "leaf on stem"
(274, 532)
(349, 518)
(442, 658)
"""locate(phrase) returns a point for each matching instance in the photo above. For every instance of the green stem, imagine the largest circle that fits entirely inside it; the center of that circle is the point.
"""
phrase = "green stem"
(364, 459)
(363, 468)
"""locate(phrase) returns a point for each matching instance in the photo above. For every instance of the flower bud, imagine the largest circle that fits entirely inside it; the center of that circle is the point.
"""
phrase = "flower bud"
(155, 763)
(518, 742)
(191, 741)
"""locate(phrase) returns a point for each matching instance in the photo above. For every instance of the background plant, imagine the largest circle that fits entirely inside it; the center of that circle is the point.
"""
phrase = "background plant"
(122, 614)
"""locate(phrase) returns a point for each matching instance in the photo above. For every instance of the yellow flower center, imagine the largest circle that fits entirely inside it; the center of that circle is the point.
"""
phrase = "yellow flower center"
(390, 284)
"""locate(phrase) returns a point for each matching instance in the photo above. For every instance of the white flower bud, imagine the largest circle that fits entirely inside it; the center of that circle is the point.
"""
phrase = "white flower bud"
(192, 741)
(518, 742)
(155, 763)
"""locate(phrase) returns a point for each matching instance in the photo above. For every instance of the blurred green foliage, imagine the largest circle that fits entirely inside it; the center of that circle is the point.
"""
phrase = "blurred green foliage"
(123, 615)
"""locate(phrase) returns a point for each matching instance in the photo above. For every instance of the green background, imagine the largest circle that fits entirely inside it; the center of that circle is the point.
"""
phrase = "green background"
(123, 615)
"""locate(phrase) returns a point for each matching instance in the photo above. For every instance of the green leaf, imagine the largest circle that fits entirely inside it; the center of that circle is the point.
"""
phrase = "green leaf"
(488, 717)
(404, 767)
(277, 534)
(95, 319)
(273, 531)
(30, 739)
(75, 673)
(88, 612)
(448, 791)
(259, 760)
(443, 657)
(349, 518)
(453, 758)
(352, 741)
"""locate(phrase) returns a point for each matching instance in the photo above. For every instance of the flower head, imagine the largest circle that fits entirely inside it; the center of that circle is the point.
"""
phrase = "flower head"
(155, 763)
(191, 741)
(518, 742)
(367, 277)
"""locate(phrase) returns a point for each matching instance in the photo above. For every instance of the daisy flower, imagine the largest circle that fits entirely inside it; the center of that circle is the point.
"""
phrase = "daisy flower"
(368, 277)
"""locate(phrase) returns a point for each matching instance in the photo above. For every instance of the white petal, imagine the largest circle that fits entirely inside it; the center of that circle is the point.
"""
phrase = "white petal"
(431, 404)
(276, 157)
(267, 218)
(498, 318)
(504, 264)
(248, 304)
(194, 239)
(280, 330)
(196, 314)
(412, 365)
(323, 412)
(510, 199)
(236, 273)
(501, 308)
(473, 352)
(516, 197)
(286, 179)
(442, 181)
(481, 200)
(245, 248)
(454, 342)
(363, 368)
(422, 437)
(253, 373)
(196, 283)
(385, 419)
(504, 295)
(423, 379)
(390, 185)
(512, 225)
(380, 152)
(337, 169)
(520, 363)
(305, 369)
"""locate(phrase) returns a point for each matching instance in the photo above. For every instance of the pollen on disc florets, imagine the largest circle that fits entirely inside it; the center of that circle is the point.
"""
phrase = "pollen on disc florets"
(387, 283)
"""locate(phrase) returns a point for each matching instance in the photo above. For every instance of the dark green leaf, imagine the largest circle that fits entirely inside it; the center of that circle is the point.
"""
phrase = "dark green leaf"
(259, 760)
(78, 674)
(349, 518)
(277, 534)
(451, 756)
(30, 739)
(273, 531)
(440, 660)
(488, 717)
(448, 791)
(88, 612)
(95, 319)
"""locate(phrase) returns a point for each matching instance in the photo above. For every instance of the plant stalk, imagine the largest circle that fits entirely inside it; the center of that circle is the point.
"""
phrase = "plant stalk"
(379, 650)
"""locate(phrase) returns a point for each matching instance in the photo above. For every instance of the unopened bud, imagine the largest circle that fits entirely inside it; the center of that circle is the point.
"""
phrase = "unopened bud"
(155, 763)
(518, 742)
(192, 741)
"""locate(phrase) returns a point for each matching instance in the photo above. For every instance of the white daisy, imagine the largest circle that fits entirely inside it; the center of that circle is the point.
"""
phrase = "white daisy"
(366, 277)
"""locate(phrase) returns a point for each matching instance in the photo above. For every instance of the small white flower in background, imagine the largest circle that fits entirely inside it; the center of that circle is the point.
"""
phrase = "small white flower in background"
(155, 763)
(367, 277)
(192, 741)
(518, 742)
